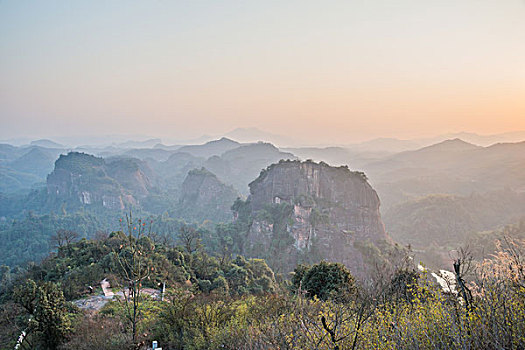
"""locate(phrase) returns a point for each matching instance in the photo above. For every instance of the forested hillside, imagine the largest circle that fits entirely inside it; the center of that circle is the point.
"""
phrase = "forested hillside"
(125, 289)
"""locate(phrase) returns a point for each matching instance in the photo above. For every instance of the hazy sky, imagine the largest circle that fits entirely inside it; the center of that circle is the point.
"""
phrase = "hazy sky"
(327, 71)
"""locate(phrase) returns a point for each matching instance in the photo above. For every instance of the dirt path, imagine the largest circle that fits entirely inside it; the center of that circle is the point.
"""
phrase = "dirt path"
(97, 302)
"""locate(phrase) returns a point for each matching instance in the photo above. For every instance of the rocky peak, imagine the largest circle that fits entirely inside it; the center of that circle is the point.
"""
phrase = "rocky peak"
(83, 179)
(307, 211)
(78, 162)
(291, 181)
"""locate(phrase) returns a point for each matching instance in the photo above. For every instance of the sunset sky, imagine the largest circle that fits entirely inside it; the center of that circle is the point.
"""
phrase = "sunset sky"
(323, 71)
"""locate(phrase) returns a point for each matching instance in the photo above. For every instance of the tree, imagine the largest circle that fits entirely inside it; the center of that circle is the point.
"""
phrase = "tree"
(133, 269)
(190, 239)
(325, 280)
(63, 239)
(343, 310)
(49, 322)
(297, 277)
(100, 332)
(226, 242)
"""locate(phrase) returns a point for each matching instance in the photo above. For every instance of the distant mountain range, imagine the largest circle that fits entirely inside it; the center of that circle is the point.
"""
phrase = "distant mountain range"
(450, 166)
(253, 134)
(481, 140)
(46, 143)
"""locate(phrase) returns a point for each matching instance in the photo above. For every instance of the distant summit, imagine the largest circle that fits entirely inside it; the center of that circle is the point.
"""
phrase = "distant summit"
(242, 164)
(482, 140)
(452, 145)
(211, 148)
(223, 140)
(37, 161)
(439, 154)
(140, 144)
(46, 143)
(255, 135)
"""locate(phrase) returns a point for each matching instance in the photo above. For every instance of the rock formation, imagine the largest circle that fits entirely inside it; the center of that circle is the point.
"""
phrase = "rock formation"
(306, 211)
(83, 179)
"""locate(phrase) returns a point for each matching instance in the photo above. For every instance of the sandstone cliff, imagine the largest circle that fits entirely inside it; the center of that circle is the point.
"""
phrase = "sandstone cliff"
(306, 211)
(83, 179)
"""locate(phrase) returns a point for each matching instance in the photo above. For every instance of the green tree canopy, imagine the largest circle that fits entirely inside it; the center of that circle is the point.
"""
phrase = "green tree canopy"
(325, 280)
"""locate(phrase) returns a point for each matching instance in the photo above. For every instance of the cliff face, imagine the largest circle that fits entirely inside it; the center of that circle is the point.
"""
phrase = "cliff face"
(205, 197)
(305, 212)
(83, 179)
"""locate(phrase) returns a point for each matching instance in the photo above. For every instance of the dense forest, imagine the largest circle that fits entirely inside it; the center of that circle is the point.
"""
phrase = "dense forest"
(174, 292)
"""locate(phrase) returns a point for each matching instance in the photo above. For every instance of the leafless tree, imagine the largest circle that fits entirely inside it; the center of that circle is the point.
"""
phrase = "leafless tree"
(63, 239)
(133, 269)
(190, 238)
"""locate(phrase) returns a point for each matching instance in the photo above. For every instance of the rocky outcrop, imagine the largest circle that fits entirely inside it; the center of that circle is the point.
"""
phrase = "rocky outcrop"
(83, 179)
(205, 197)
(306, 211)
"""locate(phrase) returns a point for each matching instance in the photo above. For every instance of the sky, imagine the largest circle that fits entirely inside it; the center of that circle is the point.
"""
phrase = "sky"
(318, 71)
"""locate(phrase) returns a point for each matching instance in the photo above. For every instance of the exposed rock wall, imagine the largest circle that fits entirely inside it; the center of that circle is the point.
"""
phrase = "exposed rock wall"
(327, 210)
(82, 179)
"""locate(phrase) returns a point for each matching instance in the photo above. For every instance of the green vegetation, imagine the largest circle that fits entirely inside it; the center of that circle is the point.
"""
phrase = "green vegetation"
(342, 170)
(48, 316)
(131, 262)
(28, 239)
(212, 303)
(324, 280)
(86, 193)
(79, 163)
(435, 224)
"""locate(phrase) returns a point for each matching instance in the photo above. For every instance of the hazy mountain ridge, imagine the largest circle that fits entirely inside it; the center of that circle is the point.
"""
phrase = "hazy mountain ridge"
(463, 164)
(120, 181)
(211, 148)
(204, 197)
(436, 224)
(447, 219)
(46, 143)
(235, 166)
(21, 168)
(453, 167)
